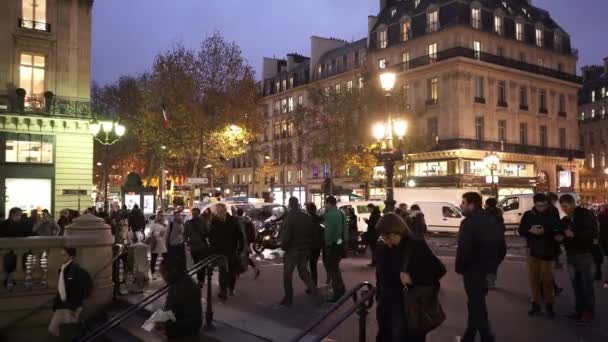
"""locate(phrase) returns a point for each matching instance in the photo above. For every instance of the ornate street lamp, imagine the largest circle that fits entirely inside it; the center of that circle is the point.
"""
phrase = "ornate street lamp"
(107, 133)
(492, 161)
(384, 133)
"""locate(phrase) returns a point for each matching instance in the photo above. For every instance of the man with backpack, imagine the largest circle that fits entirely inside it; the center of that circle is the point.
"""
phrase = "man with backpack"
(74, 286)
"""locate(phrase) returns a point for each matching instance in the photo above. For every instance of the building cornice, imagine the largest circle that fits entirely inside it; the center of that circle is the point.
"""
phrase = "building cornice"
(36, 124)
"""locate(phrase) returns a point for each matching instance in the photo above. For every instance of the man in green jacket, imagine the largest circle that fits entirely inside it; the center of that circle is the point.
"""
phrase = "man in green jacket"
(336, 235)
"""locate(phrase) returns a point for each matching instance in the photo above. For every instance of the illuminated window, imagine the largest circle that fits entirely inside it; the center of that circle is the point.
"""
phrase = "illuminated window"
(405, 58)
(290, 104)
(432, 126)
(519, 31)
(349, 86)
(476, 18)
(432, 19)
(300, 100)
(290, 81)
(406, 30)
(593, 96)
(432, 52)
(498, 27)
(433, 89)
(541, 62)
(289, 176)
(31, 76)
(338, 88)
(592, 161)
(382, 41)
(28, 148)
(360, 83)
(479, 128)
(34, 14)
(393, 12)
(477, 49)
(539, 37)
(479, 91)
(325, 170)
(406, 96)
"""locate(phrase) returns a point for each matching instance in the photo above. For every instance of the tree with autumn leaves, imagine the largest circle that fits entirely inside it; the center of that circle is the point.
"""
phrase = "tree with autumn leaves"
(210, 98)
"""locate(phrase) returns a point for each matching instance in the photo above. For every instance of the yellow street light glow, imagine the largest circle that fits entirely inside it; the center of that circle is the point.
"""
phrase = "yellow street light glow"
(387, 81)
(107, 126)
(120, 130)
(400, 128)
(491, 161)
(379, 131)
(94, 127)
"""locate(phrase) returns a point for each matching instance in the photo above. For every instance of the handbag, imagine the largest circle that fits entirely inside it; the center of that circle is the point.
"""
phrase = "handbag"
(422, 310)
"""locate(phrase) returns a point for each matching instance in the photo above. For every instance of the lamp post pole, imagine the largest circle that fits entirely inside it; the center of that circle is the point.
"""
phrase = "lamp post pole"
(491, 161)
(112, 132)
(388, 154)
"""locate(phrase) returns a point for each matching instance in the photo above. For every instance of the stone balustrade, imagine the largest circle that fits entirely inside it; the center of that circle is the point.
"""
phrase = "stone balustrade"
(33, 265)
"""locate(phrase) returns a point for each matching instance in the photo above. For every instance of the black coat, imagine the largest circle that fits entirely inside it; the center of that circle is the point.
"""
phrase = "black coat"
(424, 268)
(298, 231)
(584, 226)
(480, 243)
(196, 234)
(78, 287)
(372, 233)
(226, 236)
(137, 221)
(318, 231)
(541, 246)
(603, 222)
(184, 299)
(11, 228)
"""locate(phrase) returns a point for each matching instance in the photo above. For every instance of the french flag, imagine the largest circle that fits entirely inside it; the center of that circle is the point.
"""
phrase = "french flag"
(165, 118)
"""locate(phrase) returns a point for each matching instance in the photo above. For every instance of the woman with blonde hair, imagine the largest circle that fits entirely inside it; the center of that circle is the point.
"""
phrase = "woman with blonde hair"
(404, 263)
(157, 240)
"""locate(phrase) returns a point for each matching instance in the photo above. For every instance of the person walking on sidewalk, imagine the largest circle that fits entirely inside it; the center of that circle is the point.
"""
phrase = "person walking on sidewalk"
(196, 236)
(580, 229)
(480, 238)
(371, 235)
(227, 240)
(137, 222)
(539, 226)
(297, 238)
(404, 261)
(336, 235)
(175, 242)
(157, 240)
(249, 235)
(492, 209)
(315, 251)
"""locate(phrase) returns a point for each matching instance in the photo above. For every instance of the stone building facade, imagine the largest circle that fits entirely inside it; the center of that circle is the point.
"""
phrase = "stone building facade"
(474, 77)
(593, 125)
(46, 150)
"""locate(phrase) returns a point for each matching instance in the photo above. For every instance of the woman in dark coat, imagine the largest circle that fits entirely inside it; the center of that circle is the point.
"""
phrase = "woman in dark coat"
(402, 261)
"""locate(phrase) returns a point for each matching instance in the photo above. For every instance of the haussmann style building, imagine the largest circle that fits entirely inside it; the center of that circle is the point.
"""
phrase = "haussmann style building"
(474, 77)
(593, 126)
(46, 150)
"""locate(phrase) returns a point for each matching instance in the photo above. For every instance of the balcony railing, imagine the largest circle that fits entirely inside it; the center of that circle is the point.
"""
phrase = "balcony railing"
(488, 58)
(38, 105)
(472, 144)
(34, 25)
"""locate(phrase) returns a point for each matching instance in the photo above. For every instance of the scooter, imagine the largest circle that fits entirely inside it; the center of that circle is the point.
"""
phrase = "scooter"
(267, 237)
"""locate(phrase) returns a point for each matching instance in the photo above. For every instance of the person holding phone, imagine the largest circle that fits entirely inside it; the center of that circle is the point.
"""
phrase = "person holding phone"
(539, 226)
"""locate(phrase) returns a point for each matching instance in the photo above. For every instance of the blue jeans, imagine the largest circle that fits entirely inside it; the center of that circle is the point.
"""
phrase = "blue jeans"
(581, 269)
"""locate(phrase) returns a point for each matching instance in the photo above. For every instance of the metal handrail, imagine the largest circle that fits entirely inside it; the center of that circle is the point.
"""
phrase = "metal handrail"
(361, 306)
(50, 302)
(127, 313)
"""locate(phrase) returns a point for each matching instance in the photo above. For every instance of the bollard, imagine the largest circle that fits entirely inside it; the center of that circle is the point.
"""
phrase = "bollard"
(362, 313)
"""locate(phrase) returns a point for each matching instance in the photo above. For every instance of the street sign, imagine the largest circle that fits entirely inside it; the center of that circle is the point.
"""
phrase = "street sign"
(75, 192)
(195, 181)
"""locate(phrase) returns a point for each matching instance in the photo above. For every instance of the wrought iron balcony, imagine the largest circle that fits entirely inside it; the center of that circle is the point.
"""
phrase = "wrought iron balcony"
(55, 107)
(488, 58)
(34, 25)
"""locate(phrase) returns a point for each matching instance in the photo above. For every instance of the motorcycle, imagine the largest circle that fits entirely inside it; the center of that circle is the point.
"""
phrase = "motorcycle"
(267, 236)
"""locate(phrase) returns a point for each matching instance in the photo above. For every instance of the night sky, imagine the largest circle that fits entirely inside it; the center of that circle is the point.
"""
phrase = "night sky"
(127, 34)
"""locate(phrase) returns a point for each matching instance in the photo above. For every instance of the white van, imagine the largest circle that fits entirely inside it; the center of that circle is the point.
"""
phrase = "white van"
(361, 211)
(411, 195)
(441, 217)
(514, 207)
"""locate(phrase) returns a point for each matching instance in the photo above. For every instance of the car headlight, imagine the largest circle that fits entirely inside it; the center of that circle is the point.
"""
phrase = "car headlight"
(267, 237)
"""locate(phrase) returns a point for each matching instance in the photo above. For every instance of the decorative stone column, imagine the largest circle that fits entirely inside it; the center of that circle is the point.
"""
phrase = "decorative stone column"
(93, 241)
